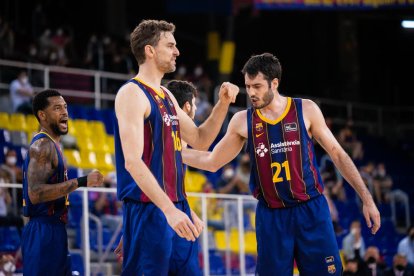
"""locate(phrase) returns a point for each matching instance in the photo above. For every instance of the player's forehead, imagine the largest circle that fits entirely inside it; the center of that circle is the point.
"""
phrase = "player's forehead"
(258, 79)
(167, 38)
(56, 100)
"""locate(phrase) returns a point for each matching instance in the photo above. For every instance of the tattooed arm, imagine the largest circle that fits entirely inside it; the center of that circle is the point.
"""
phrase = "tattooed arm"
(43, 161)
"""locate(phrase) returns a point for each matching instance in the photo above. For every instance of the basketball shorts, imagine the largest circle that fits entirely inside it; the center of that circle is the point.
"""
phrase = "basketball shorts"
(151, 246)
(303, 233)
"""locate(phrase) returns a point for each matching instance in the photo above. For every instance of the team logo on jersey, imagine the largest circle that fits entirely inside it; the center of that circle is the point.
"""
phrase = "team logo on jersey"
(259, 127)
(166, 119)
(329, 259)
(291, 127)
(331, 269)
(261, 150)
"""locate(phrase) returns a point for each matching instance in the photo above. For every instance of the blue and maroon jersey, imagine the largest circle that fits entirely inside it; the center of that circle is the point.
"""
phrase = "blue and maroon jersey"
(57, 207)
(162, 149)
(284, 171)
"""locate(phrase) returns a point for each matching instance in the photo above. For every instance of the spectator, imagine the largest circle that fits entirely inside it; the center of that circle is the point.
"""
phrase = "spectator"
(6, 217)
(406, 246)
(235, 181)
(373, 264)
(367, 174)
(353, 245)
(382, 183)
(14, 171)
(332, 179)
(7, 265)
(399, 267)
(21, 93)
(106, 206)
(351, 268)
(349, 141)
(334, 212)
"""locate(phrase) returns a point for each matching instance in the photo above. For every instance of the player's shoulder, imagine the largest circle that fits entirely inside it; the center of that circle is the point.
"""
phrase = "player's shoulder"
(240, 116)
(42, 147)
(308, 104)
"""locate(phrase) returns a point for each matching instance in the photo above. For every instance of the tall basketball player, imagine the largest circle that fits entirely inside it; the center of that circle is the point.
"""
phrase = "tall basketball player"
(292, 217)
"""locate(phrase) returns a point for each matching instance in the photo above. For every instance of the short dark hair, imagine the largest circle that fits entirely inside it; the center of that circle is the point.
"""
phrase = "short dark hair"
(265, 63)
(183, 91)
(41, 101)
(148, 33)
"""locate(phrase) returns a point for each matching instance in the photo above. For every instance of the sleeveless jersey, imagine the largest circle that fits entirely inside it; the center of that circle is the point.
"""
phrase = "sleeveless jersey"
(284, 170)
(57, 207)
(162, 149)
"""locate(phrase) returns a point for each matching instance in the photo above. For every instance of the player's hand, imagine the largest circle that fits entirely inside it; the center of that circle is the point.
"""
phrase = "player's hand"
(119, 250)
(181, 224)
(372, 216)
(95, 178)
(228, 92)
(198, 223)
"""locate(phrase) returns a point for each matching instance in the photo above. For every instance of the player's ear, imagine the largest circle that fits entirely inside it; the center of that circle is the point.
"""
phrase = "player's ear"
(187, 107)
(275, 83)
(42, 115)
(149, 50)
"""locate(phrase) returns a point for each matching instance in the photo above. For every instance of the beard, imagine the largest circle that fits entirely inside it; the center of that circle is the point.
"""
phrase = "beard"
(166, 67)
(56, 130)
(267, 99)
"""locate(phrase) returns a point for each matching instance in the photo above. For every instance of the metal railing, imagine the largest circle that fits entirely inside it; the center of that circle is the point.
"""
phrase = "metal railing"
(379, 120)
(204, 238)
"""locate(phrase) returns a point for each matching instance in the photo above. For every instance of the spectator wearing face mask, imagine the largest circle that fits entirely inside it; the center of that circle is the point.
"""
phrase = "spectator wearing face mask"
(373, 264)
(406, 246)
(353, 244)
(399, 267)
(21, 93)
(15, 172)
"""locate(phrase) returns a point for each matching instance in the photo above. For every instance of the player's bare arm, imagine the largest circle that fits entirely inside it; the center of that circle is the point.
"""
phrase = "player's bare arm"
(319, 130)
(131, 108)
(203, 136)
(225, 151)
(43, 161)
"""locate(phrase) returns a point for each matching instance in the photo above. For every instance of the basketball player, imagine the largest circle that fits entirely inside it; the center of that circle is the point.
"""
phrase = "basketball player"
(292, 217)
(46, 189)
(158, 233)
(185, 93)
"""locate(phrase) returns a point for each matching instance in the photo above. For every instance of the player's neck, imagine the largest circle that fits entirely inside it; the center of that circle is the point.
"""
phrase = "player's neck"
(150, 75)
(275, 108)
(49, 132)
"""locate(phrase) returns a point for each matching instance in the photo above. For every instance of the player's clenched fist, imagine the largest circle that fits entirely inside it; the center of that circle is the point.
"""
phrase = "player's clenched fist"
(95, 178)
(228, 92)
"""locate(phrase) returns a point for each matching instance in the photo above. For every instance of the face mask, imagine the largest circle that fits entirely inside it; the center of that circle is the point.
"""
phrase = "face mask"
(11, 160)
(354, 231)
(9, 267)
(400, 267)
(371, 260)
(24, 80)
(228, 173)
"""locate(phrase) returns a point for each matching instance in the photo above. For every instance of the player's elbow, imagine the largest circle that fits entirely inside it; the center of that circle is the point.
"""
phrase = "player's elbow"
(34, 197)
(130, 164)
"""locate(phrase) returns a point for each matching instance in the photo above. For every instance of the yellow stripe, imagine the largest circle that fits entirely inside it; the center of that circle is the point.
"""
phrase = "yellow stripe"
(45, 133)
(159, 91)
(273, 122)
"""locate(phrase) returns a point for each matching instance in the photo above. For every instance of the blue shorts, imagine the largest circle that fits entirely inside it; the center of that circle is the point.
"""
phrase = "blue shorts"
(151, 246)
(45, 247)
(303, 233)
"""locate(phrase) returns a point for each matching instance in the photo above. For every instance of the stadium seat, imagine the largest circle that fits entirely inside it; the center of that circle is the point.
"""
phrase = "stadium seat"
(32, 124)
(4, 120)
(17, 122)
(73, 157)
(194, 181)
(88, 160)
